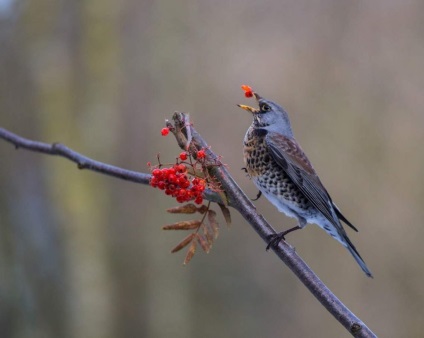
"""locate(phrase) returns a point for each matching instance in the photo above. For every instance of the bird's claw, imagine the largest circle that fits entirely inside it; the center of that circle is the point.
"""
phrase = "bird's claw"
(257, 196)
(274, 240)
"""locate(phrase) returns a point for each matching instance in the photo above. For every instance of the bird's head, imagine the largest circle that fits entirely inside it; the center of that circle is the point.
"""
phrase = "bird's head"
(269, 116)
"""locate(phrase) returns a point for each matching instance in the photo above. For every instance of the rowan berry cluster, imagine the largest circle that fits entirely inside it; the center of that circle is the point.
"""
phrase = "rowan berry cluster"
(186, 180)
(174, 182)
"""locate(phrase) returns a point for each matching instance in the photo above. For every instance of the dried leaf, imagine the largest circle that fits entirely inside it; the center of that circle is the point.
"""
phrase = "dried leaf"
(183, 209)
(203, 209)
(207, 231)
(190, 253)
(184, 243)
(226, 213)
(211, 216)
(213, 223)
(204, 243)
(183, 225)
(223, 196)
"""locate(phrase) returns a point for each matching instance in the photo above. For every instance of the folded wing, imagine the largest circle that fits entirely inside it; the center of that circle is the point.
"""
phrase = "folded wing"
(288, 154)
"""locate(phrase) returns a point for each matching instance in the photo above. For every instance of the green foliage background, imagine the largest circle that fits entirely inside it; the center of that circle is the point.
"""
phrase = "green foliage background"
(83, 255)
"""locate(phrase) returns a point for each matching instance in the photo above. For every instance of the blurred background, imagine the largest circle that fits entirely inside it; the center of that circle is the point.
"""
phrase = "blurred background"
(83, 255)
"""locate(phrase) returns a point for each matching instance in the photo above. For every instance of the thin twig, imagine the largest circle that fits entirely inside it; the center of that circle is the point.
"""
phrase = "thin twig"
(235, 198)
(82, 161)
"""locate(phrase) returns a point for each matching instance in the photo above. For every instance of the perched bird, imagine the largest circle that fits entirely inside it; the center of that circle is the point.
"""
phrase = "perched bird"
(282, 172)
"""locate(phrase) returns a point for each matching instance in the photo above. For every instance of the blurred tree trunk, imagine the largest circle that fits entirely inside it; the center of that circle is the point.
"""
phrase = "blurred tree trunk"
(33, 269)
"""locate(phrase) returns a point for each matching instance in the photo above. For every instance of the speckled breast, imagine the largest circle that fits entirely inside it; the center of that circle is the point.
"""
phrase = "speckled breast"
(265, 172)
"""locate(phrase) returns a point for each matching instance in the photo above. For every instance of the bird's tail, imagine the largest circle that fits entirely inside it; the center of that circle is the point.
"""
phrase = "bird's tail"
(349, 245)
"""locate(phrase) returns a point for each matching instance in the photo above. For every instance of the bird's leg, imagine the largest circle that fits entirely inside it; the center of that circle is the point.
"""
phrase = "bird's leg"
(276, 238)
(257, 196)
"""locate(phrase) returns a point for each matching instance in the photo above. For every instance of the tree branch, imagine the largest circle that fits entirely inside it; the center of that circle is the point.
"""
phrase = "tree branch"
(185, 133)
(84, 162)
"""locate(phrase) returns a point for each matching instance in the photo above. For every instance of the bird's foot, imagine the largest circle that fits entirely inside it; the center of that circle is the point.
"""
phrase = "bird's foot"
(257, 196)
(276, 238)
(247, 173)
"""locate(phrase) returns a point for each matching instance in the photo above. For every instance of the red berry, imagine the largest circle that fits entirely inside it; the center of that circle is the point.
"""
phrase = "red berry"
(180, 199)
(198, 184)
(172, 178)
(194, 188)
(168, 192)
(184, 183)
(161, 185)
(195, 181)
(180, 180)
(248, 92)
(183, 156)
(172, 171)
(198, 200)
(201, 154)
(182, 192)
(156, 172)
(165, 172)
(181, 168)
(164, 131)
(154, 182)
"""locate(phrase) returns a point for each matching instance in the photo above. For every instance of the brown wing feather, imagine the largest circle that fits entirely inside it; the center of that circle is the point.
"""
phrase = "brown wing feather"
(288, 154)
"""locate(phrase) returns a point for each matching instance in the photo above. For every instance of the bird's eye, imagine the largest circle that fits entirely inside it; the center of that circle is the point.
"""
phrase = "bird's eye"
(265, 107)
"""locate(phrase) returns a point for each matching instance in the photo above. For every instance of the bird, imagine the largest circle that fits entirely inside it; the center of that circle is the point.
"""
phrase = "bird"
(283, 173)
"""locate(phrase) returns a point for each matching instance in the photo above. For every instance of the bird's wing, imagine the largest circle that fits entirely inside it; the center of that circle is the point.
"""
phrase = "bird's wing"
(291, 158)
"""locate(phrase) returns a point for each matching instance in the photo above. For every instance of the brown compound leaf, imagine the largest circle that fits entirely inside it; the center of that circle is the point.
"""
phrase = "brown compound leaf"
(186, 241)
(204, 243)
(225, 213)
(224, 197)
(190, 253)
(207, 232)
(183, 209)
(213, 223)
(183, 225)
(203, 209)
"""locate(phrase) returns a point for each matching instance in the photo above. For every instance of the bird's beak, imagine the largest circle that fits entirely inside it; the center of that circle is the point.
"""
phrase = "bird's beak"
(257, 96)
(249, 109)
